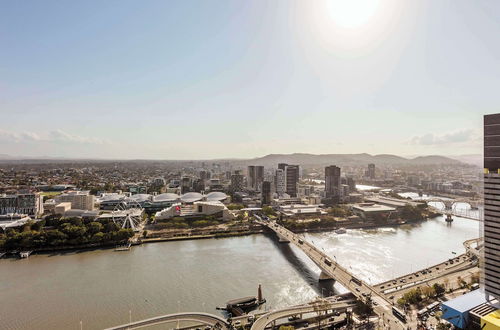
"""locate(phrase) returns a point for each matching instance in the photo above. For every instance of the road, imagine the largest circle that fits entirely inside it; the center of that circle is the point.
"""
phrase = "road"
(382, 306)
(318, 306)
(463, 262)
(203, 318)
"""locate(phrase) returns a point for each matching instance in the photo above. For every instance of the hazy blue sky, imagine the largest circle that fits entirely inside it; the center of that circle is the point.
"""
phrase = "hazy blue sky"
(212, 79)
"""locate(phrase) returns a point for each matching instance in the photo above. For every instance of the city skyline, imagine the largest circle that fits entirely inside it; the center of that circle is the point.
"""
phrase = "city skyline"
(242, 79)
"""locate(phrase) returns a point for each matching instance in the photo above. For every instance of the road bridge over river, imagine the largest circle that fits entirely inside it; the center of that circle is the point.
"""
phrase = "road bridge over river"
(330, 269)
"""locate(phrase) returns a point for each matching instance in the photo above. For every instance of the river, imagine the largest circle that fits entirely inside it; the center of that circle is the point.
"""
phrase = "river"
(100, 287)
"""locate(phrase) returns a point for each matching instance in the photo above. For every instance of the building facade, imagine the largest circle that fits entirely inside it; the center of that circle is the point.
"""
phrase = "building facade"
(237, 181)
(292, 173)
(370, 172)
(80, 200)
(279, 182)
(30, 204)
(333, 183)
(492, 205)
(266, 195)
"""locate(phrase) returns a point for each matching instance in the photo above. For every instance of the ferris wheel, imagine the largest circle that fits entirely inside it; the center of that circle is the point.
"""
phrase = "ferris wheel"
(127, 214)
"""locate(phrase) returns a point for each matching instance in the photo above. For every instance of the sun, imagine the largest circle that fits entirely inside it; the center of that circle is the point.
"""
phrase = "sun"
(351, 14)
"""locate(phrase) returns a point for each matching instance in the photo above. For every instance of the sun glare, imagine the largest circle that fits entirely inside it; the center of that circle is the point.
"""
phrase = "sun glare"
(352, 13)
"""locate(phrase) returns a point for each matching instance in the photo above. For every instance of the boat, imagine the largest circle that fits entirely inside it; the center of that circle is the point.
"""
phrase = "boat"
(241, 306)
(340, 231)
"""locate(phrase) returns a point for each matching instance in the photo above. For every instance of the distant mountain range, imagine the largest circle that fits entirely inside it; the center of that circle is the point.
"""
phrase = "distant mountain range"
(303, 159)
(351, 159)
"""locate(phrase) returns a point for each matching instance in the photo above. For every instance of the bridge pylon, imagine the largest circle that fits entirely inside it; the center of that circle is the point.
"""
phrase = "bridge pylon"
(282, 239)
(325, 277)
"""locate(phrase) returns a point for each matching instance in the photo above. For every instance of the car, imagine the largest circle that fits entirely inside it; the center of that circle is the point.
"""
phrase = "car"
(251, 318)
(357, 289)
(305, 325)
(382, 287)
(375, 303)
(237, 323)
(293, 318)
(336, 313)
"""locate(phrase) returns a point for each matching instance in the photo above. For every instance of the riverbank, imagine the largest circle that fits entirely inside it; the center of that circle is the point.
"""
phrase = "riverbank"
(202, 274)
(169, 237)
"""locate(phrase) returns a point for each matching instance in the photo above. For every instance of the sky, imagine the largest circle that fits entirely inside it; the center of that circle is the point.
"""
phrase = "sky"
(189, 79)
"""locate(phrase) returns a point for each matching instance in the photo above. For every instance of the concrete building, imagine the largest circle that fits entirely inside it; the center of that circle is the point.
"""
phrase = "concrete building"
(251, 177)
(255, 177)
(61, 208)
(333, 189)
(197, 209)
(492, 205)
(369, 211)
(30, 204)
(279, 182)
(237, 181)
(186, 185)
(370, 172)
(301, 210)
(265, 198)
(259, 177)
(80, 200)
(292, 173)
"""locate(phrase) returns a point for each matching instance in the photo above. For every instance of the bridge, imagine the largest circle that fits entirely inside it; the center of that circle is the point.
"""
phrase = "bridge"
(474, 211)
(381, 294)
(318, 306)
(330, 269)
(203, 318)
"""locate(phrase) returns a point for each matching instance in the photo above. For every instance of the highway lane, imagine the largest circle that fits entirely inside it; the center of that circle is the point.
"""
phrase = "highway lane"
(202, 318)
(262, 322)
(330, 268)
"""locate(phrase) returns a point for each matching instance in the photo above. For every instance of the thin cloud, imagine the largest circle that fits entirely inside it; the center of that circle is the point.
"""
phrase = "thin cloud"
(460, 136)
(51, 136)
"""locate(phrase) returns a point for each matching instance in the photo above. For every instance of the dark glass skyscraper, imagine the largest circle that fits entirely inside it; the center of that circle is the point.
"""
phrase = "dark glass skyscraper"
(332, 183)
(492, 204)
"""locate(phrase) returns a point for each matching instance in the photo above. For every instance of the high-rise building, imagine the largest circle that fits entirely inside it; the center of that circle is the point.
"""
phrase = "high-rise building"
(291, 179)
(265, 198)
(251, 177)
(333, 183)
(237, 181)
(370, 172)
(279, 181)
(255, 177)
(186, 185)
(492, 205)
(259, 177)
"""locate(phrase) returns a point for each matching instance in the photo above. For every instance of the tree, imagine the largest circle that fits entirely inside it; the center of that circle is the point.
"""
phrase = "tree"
(268, 210)
(95, 227)
(439, 289)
